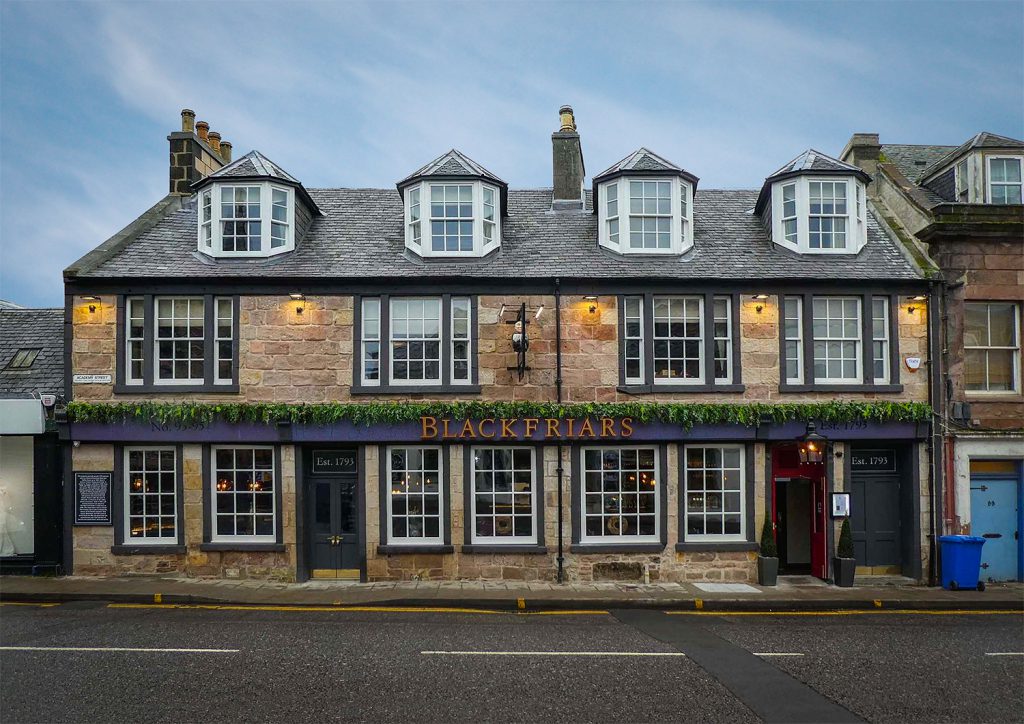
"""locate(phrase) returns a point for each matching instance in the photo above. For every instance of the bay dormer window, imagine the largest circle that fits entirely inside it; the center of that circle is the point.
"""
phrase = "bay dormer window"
(452, 218)
(646, 215)
(823, 215)
(251, 219)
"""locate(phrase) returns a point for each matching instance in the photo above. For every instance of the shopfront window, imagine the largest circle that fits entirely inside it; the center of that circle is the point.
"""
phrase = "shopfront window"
(244, 494)
(620, 501)
(503, 502)
(415, 502)
(151, 513)
(714, 493)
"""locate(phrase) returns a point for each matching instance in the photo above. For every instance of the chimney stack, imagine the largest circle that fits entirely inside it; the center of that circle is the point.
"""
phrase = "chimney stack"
(568, 171)
(195, 153)
(863, 150)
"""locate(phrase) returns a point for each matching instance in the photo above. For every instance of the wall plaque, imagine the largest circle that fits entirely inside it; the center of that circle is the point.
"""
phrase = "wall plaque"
(873, 460)
(334, 461)
(91, 379)
(92, 498)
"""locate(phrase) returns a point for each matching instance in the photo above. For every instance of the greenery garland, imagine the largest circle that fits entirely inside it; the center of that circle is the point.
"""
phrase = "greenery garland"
(686, 414)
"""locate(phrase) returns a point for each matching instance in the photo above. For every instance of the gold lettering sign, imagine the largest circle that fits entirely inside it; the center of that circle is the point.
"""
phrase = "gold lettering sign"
(431, 428)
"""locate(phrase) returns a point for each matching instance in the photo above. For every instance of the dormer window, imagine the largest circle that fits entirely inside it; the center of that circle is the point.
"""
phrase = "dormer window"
(453, 208)
(819, 215)
(251, 219)
(1004, 179)
(462, 218)
(644, 206)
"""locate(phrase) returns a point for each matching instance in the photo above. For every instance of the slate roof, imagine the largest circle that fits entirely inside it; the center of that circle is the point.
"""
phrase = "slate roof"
(913, 159)
(452, 163)
(360, 235)
(252, 164)
(641, 160)
(41, 329)
(811, 160)
(981, 140)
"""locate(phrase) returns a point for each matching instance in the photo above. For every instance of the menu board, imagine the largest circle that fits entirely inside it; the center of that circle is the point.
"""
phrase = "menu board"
(92, 498)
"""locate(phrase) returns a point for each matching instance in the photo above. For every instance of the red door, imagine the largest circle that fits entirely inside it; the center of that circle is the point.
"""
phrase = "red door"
(786, 464)
(819, 523)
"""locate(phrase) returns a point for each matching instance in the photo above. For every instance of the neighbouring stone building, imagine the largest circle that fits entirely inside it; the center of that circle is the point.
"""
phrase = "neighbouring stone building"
(960, 207)
(454, 379)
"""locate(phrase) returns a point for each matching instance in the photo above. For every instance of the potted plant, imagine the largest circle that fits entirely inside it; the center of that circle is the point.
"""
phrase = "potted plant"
(844, 565)
(768, 558)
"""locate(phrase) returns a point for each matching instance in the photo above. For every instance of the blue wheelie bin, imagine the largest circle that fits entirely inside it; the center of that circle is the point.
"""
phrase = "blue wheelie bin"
(961, 562)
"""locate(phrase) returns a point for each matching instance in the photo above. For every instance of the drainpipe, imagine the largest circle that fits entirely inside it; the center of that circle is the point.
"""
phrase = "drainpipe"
(936, 463)
(558, 392)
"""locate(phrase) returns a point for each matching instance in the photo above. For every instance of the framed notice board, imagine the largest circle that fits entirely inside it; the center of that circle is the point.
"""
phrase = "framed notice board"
(92, 498)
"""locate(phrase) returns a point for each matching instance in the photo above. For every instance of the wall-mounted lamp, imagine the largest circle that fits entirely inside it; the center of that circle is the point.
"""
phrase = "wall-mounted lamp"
(760, 299)
(301, 299)
(916, 300)
(92, 299)
(812, 445)
(592, 298)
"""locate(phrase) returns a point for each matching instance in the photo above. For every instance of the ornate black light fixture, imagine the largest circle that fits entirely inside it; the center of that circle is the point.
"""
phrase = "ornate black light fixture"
(812, 445)
(520, 341)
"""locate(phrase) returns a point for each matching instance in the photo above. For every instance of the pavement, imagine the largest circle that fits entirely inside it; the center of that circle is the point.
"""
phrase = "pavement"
(91, 661)
(792, 593)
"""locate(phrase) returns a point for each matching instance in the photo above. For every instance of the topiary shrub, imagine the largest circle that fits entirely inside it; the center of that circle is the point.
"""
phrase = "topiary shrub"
(844, 549)
(768, 547)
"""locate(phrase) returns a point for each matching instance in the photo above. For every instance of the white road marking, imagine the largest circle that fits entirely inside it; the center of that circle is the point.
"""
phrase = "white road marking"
(1005, 653)
(552, 653)
(773, 653)
(119, 648)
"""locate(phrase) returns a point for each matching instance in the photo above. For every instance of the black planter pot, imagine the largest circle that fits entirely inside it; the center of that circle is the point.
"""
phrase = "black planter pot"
(767, 571)
(843, 570)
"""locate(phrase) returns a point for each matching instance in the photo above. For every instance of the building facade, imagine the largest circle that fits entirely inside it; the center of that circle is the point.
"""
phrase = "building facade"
(454, 379)
(31, 387)
(961, 207)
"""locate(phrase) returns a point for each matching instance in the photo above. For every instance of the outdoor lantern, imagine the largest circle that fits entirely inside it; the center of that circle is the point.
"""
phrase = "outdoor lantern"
(592, 299)
(914, 301)
(760, 299)
(92, 299)
(812, 445)
(300, 298)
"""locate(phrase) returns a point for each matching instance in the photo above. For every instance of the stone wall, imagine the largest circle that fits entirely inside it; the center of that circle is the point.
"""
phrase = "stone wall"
(285, 356)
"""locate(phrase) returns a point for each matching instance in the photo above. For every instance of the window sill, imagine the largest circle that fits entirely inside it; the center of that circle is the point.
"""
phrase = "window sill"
(1002, 396)
(675, 389)
(892, 389)
(147, 550)
(509, 548)
(724, 547)
(387, 550)
(416, 389)
(616, 548)
(122, 389)
(248, 547)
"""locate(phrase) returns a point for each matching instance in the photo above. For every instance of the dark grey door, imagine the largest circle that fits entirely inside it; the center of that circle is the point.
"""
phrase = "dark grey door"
(334, 527)
(875, 520)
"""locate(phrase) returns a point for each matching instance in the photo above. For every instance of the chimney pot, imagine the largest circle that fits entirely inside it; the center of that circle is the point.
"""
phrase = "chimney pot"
(202, 129)
(568, 119)
(188, 120)
(225, 151)
(213, 138)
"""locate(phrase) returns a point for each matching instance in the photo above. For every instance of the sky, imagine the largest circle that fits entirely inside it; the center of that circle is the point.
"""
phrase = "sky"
(361, 94)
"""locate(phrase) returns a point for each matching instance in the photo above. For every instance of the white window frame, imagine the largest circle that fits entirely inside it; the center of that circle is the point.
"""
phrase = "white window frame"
(206, 220)
(700, 379)
(715, 321)
(988, 173)
(685, 492)
(218, 538)
(134, 309)
(371, 338)
(611, 203)
(425, 247)
(416, 541)
(638, 338)
(503, 539)
(266, 218)
(1015, 349)
(157, 339)
(658, 481)
(459, 338)
(839, 192)
(127, 538)
(423, 339)
(962, 181)
(788, 238)
(858, 343)
(883, 339)
(798, 339)
(680, 197)
(219, 339)
(856, 214)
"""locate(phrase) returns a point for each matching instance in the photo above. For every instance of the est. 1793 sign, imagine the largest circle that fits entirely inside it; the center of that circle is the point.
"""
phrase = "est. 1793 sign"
(334, 461)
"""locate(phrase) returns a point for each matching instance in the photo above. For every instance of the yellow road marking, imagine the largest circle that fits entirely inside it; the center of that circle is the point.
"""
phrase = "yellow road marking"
(158, 598)
(358, 609)
(28, 603)
(867, 612)
(521, 604)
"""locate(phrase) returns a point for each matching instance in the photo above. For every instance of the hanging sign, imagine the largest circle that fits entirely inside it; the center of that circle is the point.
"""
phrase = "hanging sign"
(92, 498)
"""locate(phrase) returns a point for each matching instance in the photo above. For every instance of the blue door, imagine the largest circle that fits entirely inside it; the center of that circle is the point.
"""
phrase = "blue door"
(994, 516)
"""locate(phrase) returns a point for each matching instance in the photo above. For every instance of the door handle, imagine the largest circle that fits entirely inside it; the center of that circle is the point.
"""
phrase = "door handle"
(992, 535)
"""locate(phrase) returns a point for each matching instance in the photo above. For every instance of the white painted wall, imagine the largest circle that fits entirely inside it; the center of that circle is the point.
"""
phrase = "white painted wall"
(17, 498)
(981, 449)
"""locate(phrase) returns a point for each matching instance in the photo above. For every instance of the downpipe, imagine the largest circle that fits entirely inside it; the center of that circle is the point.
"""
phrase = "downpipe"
(560, 559)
